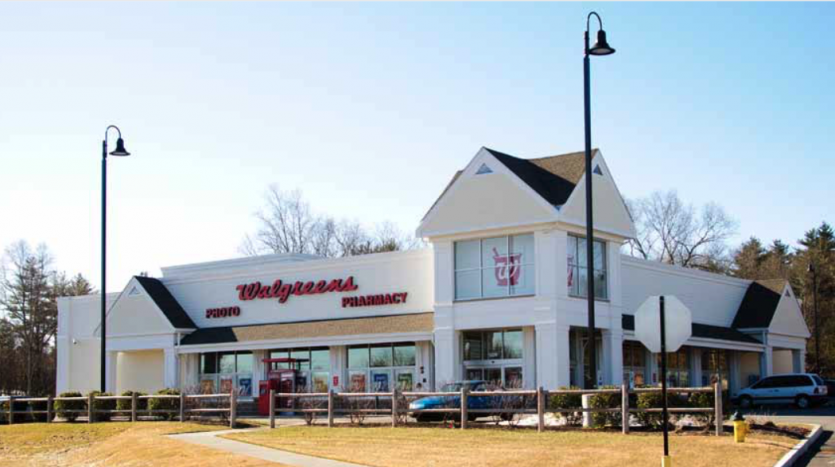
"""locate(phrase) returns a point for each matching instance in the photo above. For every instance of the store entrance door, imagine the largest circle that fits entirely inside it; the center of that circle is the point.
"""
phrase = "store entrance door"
(503, 376)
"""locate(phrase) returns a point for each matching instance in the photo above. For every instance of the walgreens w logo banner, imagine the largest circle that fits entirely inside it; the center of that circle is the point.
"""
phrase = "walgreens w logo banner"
(507, 268)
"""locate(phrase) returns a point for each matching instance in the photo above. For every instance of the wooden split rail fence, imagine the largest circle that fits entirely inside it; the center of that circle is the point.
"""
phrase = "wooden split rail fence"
(462, 411)
(182, 411)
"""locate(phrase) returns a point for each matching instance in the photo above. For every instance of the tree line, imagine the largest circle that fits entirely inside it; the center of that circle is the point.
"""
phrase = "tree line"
(29, 289)
(674, 232)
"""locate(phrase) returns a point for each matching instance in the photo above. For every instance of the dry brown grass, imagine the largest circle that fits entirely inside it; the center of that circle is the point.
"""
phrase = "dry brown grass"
(111, 444)
(413, 447)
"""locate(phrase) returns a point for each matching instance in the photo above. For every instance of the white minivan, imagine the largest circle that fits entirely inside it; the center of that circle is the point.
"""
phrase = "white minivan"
(800, 389)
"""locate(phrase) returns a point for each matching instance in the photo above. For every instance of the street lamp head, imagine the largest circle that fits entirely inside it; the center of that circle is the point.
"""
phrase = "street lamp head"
(120, 149)
(601, 47)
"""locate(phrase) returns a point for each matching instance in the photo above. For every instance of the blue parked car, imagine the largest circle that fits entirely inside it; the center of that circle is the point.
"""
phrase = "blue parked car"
(453, 401)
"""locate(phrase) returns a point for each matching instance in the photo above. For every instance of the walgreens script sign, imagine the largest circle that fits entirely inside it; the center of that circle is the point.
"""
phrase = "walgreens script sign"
(282, 291)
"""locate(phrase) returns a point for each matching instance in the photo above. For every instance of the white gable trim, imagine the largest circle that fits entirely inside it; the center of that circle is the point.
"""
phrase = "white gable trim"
(607, 174)
(134, 283)
(792, 302)
(483, 157)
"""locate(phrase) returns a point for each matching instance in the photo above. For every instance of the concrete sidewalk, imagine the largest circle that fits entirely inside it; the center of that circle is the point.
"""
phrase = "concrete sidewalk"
(212, 440)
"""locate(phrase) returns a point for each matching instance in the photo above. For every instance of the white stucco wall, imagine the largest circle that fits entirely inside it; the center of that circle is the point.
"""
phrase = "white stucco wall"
(78, 350)
(140, 371)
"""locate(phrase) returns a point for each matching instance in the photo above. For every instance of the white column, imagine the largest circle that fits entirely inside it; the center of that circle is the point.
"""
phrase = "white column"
(695, 366)
(612, 356)
(735, 369)
(799, 361)
(171, 368)
(190, 372)
(447, 361)
(529, 357)
(110, 376)
(767, 362)
(552, 358)
(423, 361)
(339, 362)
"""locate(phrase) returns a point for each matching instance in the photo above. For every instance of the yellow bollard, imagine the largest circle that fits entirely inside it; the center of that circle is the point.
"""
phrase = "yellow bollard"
(666, 461)
(740, 427)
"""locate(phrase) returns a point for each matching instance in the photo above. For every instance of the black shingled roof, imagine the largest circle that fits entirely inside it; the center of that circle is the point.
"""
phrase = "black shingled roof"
(166, 302)
(759, 305)
(705, 331)
(551, 187)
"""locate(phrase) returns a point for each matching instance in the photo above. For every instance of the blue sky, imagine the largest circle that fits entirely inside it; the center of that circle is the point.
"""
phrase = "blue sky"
(369, 109)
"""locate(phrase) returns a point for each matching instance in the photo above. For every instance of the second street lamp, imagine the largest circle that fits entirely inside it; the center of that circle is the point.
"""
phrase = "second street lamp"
(600, 48)
(119, 151)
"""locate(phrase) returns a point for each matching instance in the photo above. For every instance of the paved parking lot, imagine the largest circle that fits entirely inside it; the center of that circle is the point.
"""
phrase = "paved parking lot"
(823, 453)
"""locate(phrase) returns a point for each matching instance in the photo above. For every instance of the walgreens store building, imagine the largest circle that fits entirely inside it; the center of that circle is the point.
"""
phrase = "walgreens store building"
(499, 294)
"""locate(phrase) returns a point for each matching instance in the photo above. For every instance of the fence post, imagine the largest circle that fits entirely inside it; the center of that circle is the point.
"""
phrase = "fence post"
(182, 407)
(394, 408)
(717, 396)
(133, 404)
(540, 409)
(49, 403)
(330, 407)
(233, 408)
(11, 409)
(464, 415)
(91, 412)
(624, 406)
(272, 408)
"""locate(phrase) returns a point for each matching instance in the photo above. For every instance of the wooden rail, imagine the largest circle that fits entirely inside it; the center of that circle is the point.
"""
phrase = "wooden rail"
(514, 401)
(456, 404)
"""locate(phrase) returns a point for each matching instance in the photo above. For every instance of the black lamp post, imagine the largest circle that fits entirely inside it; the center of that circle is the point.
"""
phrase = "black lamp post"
(814, 271)
(119, 151)
(601, 47)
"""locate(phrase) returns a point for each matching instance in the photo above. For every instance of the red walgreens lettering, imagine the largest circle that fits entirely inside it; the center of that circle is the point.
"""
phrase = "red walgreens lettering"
(282, 291)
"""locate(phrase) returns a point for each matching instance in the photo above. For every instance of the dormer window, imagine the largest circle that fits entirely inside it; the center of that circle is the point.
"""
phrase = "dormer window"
(494, 267)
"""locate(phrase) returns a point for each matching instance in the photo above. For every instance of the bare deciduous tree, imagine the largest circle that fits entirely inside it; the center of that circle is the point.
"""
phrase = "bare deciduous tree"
(670, 231)
(287, 224)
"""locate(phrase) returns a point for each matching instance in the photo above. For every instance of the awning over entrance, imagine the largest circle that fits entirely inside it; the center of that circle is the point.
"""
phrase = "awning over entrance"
(406, 323)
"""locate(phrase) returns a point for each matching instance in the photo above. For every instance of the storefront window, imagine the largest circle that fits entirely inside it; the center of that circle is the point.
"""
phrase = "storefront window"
(678, 368)
(309, 360)
(634, 363)
(578, 268)
(379, 366)
(223, 371)
(493, 356)
(715, 365)
(494, 267)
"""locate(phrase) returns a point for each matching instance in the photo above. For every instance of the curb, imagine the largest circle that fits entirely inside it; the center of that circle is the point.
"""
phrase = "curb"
(800, 448)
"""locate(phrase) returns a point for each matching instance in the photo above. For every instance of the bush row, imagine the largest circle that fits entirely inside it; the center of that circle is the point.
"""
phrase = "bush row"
(646, 400)
(70, 410)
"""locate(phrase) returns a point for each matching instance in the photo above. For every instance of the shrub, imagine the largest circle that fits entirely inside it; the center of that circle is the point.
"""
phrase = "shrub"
(606, 401)
(63, 408)
(652, 400)
(102, 404)
(39, 406)
(568, 401)
(166, 404)
(704, 400)
(124, 404)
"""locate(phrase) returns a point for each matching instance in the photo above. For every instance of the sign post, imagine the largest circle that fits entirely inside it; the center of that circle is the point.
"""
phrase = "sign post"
(669, 316)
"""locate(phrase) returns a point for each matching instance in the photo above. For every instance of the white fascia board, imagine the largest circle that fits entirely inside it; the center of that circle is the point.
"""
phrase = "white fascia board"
(492, 230)
(308, 342)
(483, 156)
(709, 343)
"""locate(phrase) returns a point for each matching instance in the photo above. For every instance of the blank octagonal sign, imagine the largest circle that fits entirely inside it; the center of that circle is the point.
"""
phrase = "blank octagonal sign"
(677, 318)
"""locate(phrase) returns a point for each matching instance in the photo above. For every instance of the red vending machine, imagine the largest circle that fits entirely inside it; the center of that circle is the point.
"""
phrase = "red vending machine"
(280, 375)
